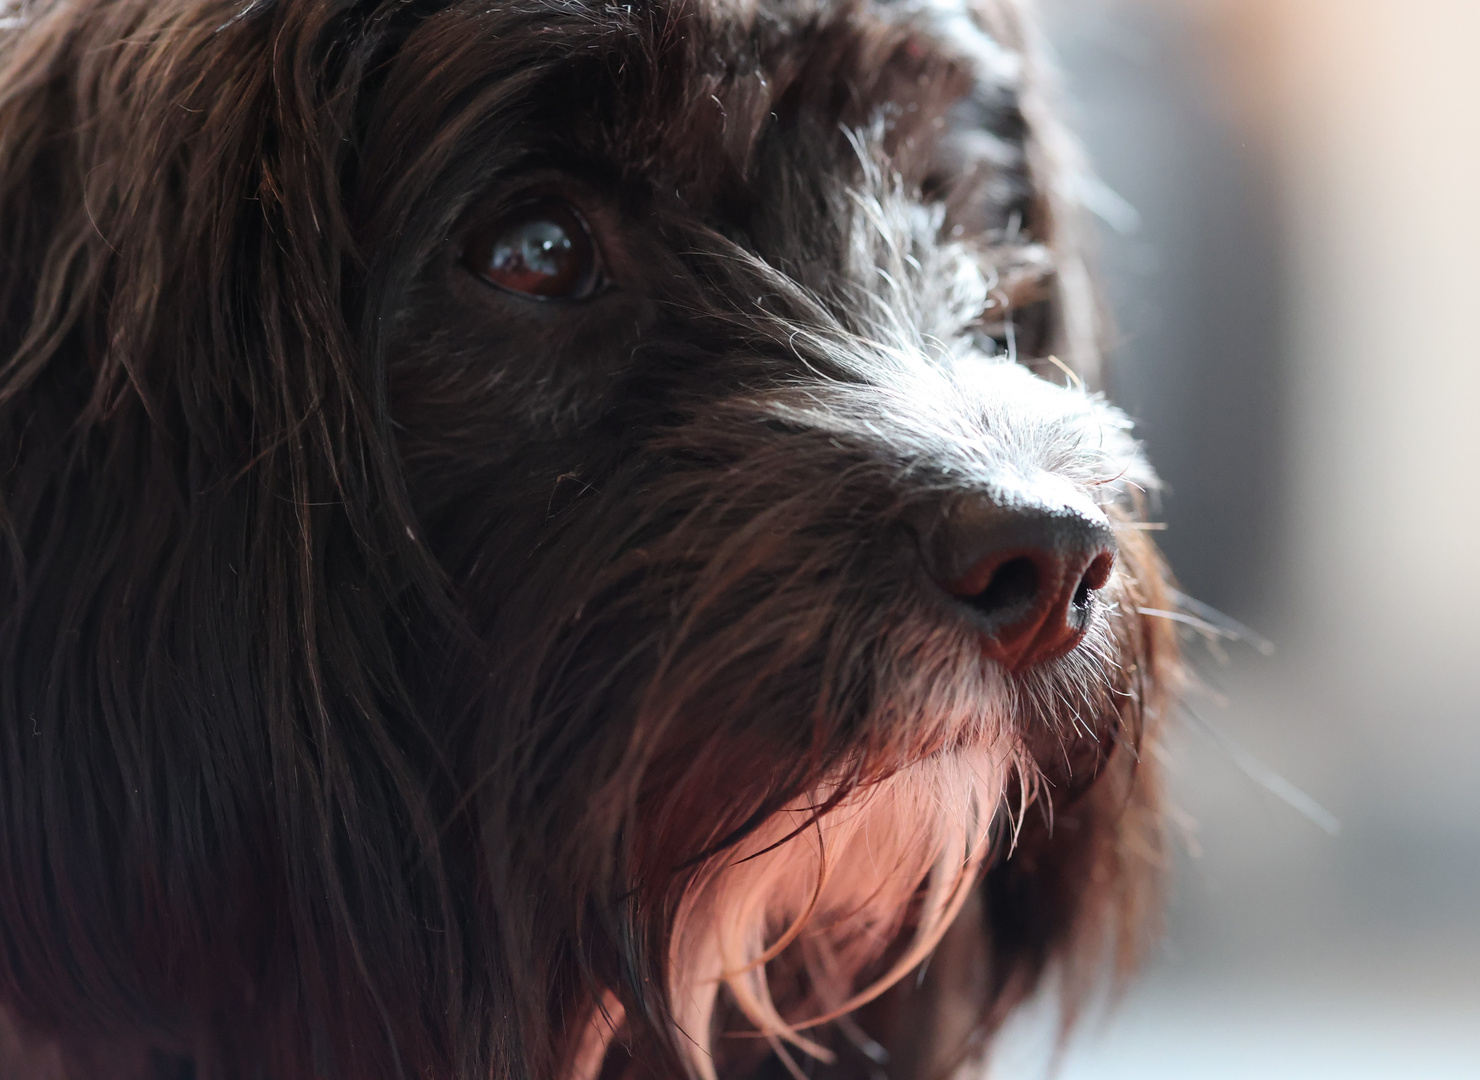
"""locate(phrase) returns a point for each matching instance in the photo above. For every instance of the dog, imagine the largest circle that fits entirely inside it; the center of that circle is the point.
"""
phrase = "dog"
(556, 540)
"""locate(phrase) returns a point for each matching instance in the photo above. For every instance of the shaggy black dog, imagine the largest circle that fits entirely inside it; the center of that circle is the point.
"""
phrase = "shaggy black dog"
(534, 547)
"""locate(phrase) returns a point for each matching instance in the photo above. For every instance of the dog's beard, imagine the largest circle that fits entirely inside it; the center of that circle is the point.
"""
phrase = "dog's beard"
(842, 883)
(831, 893)
(830, 901)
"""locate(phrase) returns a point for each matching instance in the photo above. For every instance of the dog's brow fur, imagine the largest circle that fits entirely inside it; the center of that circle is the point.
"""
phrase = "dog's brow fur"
(400, 677)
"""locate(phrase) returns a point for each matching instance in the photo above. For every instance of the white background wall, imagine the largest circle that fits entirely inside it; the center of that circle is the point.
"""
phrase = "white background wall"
(1299, 329)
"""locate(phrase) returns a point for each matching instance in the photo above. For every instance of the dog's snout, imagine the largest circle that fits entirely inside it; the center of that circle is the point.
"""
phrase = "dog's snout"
(1026, 564)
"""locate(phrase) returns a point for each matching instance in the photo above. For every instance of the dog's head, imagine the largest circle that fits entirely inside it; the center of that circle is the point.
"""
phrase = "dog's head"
(535, 547)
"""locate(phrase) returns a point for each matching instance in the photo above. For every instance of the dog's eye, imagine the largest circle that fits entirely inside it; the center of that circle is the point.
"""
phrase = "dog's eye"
(541, 249)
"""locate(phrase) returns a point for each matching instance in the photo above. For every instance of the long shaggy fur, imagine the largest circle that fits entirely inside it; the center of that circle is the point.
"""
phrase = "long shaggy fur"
(403, 679)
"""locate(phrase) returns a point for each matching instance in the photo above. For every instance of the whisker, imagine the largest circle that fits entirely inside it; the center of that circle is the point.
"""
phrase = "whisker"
(1272, 782)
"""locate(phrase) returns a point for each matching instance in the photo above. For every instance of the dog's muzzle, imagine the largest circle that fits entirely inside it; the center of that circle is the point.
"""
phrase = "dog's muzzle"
(1024, 562)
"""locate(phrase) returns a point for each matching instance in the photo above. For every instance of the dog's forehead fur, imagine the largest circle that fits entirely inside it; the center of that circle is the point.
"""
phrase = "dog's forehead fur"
(686, 94)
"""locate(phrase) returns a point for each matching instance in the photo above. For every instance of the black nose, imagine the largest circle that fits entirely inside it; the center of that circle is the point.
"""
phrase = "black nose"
(1026, 564)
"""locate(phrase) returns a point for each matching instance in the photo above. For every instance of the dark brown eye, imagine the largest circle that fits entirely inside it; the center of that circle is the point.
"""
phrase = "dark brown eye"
(540, 249)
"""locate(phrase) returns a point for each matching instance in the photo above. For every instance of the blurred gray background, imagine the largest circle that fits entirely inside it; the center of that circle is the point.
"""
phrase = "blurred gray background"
(1292, 256)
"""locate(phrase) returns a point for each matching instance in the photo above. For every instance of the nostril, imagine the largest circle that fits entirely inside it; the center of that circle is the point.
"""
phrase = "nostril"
(1094, 578)
(1013, 585)
(1024, 569)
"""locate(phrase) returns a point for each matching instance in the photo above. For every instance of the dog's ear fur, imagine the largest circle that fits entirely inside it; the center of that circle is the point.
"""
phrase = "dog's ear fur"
(203, 517)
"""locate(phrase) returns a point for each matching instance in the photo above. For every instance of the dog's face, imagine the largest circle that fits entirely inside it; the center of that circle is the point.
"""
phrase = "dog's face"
(538, 546)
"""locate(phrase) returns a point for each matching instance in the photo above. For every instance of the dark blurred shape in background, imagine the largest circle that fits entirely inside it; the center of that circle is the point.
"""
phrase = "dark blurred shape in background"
(1291, 251)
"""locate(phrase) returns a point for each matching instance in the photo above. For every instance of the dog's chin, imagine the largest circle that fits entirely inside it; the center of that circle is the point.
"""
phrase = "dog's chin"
(832, 908)
(821, 908)
(831, 900)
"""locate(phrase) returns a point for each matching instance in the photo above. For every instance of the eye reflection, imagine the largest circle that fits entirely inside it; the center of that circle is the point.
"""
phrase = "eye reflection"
(541, 249)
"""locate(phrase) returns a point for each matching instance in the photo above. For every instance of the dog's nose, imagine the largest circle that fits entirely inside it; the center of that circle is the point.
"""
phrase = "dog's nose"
(1027, 562)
